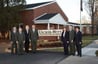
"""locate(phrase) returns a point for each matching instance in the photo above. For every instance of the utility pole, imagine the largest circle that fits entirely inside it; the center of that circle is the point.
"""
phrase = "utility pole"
(92, 16)
(81, 9)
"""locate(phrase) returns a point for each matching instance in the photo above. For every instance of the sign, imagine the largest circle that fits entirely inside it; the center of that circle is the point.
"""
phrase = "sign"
(55, 32)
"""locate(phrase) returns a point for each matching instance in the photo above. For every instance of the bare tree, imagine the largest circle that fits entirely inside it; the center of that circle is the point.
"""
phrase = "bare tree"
(90, 8)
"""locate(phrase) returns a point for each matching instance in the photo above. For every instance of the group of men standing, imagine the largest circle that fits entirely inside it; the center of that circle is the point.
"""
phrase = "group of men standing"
(21, 39)
(72, 40)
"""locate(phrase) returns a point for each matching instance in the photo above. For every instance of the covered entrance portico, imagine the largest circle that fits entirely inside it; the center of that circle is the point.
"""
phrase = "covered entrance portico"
(52, 18)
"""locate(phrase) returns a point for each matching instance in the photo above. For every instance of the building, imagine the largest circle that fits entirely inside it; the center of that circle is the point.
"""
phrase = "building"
(85, 28)
(34, 11)
(46, 15)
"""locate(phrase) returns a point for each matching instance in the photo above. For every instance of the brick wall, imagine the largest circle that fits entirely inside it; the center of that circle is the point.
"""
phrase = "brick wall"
(29, 15)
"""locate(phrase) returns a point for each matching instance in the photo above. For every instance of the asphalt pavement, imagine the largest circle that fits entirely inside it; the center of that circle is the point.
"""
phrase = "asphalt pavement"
(41, 57)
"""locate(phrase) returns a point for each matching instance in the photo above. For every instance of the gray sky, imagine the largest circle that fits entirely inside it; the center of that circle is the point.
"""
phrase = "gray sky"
(70, 7)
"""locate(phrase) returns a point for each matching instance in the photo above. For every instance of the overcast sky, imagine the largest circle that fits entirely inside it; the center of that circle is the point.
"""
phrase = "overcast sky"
(70, 7)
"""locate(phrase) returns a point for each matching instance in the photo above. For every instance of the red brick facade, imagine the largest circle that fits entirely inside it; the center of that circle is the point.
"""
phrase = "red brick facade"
(29, 15)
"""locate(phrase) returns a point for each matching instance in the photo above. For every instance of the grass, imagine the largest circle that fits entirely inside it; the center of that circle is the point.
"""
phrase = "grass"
(86, 40)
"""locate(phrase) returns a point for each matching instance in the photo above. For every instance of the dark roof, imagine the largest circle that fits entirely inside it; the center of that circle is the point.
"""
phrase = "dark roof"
(46, 16)
(73, 23)
(86, 24)
(77, 23)
(36, 4)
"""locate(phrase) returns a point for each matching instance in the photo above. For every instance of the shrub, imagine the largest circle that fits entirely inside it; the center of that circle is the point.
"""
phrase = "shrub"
(96, 53)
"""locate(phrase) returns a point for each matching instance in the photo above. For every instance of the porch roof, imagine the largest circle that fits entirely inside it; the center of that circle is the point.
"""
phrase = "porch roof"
(53, 18)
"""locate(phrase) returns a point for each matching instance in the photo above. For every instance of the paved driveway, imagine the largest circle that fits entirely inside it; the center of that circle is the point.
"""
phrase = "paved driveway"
(41, 57)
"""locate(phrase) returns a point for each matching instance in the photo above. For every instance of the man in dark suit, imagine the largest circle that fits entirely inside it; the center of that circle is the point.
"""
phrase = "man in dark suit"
(34, 37)
(78, 40)
(14, 40)
(27, 38)
(21, 40)
(71, 40)
(65, 40)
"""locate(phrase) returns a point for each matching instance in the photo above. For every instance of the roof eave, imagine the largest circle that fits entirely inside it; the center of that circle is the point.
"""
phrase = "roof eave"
(40, 6)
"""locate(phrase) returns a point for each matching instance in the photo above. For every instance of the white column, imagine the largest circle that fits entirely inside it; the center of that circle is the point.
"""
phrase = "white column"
(48, 27)
(58, 26)
(58, 37)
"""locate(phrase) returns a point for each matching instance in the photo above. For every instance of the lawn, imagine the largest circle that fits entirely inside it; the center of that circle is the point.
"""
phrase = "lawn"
(86, 40)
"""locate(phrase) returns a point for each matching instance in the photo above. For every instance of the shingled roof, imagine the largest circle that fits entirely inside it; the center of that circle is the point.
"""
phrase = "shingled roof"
(36, 4)
(53, 18)
(47, 16)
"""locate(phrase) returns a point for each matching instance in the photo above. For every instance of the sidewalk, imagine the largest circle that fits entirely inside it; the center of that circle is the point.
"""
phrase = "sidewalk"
(80, 60)
(88, 57)
(90, 49)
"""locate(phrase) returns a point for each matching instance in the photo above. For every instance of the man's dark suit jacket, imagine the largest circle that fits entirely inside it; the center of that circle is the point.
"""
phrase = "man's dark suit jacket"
(13, 36)
(71, 35)
(66, 37)
(27, 35)
(78, 37)
(21, 37)
(34, 35)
